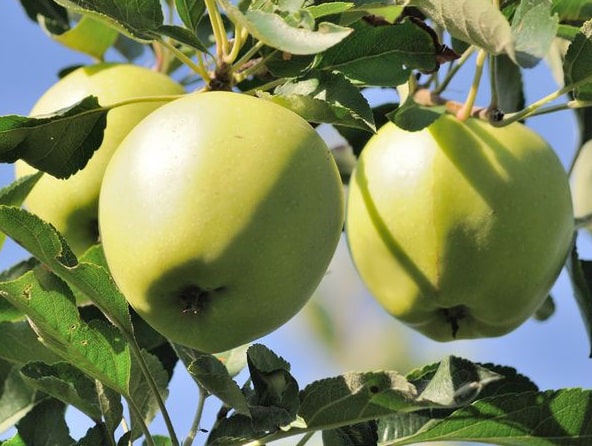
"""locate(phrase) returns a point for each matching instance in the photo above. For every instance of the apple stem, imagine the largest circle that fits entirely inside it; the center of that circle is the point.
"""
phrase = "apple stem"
(203, 395)
(465, 112)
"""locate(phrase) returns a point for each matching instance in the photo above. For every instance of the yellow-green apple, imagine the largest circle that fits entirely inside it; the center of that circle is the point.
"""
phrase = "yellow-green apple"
(71, 204)
(459, 230)
(219, 215)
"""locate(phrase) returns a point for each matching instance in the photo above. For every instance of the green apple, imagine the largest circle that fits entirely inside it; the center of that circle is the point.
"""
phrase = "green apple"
(461, 229)
(582, 182)
(71, 205)
(219, 215)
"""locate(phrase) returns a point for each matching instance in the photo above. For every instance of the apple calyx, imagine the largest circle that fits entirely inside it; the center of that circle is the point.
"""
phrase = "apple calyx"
(195, 300)
(454, 315)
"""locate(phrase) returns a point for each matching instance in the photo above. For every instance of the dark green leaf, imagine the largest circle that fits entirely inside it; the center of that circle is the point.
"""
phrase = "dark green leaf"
(141, 392)
(383, 55)
(60, 144)
(413, 117)
(525, 419)
(15, 193)
(235, 430)
(580, 273)
(577, 65)
(95, 436)
(20, 344)
(16, 398)
(326, 97)
(456, 382)
(358, 138)
(111, 407)
(66, 383)
(182, 35)
(45, 425)
(211, 374)
(508, 81)
(95, 348)
(191, 12)
(138, 19)
(573, 10)
(275, 402)
(54, 16)
(360, 434)
(45, 243)
(355, 397)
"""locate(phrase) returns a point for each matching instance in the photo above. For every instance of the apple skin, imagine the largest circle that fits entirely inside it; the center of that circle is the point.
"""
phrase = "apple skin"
(582, 182)
(219, 215)
(461, 229)
(71, 204)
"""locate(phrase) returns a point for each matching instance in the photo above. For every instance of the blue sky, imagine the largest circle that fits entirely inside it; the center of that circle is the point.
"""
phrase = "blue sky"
(554, 354)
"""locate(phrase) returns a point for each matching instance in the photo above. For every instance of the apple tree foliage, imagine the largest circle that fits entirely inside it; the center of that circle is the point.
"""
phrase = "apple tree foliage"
(317, 58)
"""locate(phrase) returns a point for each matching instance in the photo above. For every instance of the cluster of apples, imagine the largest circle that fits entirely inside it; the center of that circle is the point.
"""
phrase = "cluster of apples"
(219, 213)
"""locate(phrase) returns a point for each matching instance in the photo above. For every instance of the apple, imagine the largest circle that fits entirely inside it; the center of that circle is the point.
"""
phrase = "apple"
(71, 205)
(459, 230)
(582, 182)
(219, 215)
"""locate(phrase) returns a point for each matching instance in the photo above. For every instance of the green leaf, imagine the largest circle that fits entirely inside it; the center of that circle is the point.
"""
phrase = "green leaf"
(577, 66)
(15, 193)
(9, 312)
(64, 382)
(578, 10)
(355, 397)
(524, 419)
(508, 81)
(89, 36)
(111, 407)
(60, 144)
(275, 402)
(16, 398)
(213, 376)
(382, 55)
(191, 12)
(139, 20)
(456, 382)
(141, 392)
(54, 16)
(45, 243)
(45, 425)
(477, 22)
(358, 138)
(413, 117)
(183, 35)
(533, 31)
(234, 360)
(325, 97)
(274, 31)
(580, 273)
(360, 434)
(325, 9)
(95, 348)
(235, 430)
(20, 344)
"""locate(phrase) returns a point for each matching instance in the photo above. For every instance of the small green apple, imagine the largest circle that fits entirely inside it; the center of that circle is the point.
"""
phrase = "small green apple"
(71, 205)
(461, 229)
(219, 215)
(582, 182)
